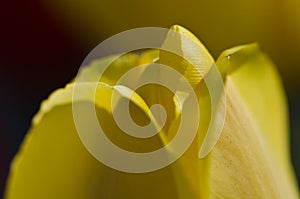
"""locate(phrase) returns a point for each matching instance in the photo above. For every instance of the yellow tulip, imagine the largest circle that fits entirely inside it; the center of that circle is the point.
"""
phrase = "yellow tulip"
(249, 160)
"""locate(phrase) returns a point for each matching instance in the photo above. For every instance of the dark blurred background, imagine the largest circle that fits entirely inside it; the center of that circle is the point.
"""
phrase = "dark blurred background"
(42, 44)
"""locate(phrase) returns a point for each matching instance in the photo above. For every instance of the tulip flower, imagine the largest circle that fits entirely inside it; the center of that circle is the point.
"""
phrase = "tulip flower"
(248, 159)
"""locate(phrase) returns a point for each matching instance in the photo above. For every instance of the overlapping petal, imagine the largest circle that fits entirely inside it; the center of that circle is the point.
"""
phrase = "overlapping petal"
(250, 158)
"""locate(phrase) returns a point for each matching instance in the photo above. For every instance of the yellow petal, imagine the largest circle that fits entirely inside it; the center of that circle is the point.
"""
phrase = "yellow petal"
(242, 164)
(260, 88)
(245, 162)
(186, 54)
(116, 66)
(53, 163)
(251, 159)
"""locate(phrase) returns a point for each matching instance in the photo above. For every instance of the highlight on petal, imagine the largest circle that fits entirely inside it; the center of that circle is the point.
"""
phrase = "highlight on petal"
(187, 54)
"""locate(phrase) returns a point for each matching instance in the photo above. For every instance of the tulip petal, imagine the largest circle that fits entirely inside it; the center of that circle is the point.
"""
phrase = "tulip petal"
(186, 54)
(53, 163)
(242, 164)
(250, 158)
(260, 88)
(252, 153)
(117, 65)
